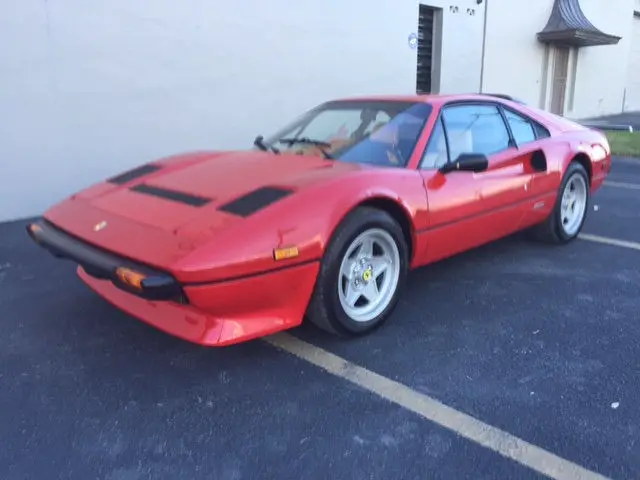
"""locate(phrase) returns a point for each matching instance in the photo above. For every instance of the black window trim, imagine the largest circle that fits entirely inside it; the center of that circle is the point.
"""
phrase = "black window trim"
(446, 137)
(431, 139)
(494, 103)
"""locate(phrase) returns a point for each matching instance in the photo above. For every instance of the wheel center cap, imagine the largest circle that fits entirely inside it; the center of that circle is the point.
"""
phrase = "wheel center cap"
(366, 275)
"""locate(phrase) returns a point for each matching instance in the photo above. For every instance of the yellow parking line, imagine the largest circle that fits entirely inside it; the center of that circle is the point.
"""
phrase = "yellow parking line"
(490, 437)
(629, 186)
(609, 241)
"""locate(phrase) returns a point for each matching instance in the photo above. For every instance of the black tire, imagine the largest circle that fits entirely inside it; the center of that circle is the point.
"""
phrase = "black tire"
(325, 309)
(551, 230)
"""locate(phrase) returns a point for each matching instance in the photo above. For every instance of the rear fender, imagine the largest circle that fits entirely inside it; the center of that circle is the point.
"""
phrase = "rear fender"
(580, 153)
(592, 150)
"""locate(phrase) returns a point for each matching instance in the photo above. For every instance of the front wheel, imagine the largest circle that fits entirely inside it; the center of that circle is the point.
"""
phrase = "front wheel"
(361, 274)
(570, 210)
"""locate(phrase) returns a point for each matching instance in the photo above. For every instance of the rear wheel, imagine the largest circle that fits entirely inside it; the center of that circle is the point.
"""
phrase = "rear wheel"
(570, 210)
(361, 274)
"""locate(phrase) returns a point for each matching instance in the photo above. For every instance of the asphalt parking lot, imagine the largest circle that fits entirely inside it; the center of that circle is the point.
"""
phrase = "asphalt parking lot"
(540, 342)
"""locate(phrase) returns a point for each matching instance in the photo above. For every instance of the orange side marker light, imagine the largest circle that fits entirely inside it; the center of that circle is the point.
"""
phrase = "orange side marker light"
(34, 230)
(284, 253)
(130, 277)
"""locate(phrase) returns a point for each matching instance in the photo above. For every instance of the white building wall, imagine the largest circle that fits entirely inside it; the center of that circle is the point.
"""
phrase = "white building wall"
(88, 89)
(632, 98)
(602, 71)
(92, 88)
(514, 57)
(462, 32)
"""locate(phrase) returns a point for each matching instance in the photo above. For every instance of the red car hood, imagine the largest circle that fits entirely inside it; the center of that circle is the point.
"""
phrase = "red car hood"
(214, 178)
(180, 201)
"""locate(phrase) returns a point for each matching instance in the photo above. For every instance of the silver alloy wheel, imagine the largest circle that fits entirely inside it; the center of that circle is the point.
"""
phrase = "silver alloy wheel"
(573, 206)
(369, 275)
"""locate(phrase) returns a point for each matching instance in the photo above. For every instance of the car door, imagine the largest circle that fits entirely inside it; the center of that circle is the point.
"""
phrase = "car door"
(531, 140)
(467, 209)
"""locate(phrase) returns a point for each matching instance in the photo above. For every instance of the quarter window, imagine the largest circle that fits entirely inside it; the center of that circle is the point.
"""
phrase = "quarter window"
(522, 129)
(541, 132)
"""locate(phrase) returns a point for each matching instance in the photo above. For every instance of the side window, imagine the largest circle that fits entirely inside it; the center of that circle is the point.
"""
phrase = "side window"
(435, 155)
(522, 129)
(475, 129)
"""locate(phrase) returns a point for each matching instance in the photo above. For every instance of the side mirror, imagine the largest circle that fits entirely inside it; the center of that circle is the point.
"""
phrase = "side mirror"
(467, 162)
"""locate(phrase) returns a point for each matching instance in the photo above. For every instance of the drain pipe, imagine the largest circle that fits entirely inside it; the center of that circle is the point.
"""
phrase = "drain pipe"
(484, 43)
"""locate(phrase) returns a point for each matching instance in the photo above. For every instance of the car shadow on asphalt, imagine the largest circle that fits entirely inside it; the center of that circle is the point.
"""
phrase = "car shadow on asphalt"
(420, 282)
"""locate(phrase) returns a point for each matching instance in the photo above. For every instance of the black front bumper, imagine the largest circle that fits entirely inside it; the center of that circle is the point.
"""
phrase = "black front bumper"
(103, 265)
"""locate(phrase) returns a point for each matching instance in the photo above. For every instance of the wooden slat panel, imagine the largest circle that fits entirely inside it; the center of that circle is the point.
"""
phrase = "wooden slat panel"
(559, 82)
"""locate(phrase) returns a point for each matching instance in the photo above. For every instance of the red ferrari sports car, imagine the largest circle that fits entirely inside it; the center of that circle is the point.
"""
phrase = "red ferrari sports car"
(323, 219)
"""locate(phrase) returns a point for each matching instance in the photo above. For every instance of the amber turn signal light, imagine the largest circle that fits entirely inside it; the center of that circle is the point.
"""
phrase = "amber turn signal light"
(33, 230)
(284, 253)
(130, 277)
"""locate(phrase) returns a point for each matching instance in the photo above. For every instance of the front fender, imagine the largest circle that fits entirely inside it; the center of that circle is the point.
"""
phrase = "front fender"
(405, 194)
(306, 220)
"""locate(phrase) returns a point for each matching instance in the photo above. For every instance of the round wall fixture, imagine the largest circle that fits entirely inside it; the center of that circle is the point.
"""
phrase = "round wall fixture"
(413, 40)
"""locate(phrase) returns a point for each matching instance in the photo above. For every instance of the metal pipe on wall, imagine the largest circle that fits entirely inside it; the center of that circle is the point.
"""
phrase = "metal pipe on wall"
(484, 44)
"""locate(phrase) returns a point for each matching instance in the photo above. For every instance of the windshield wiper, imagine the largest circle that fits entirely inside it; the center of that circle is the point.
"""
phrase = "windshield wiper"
(259, 142)
(308, 141)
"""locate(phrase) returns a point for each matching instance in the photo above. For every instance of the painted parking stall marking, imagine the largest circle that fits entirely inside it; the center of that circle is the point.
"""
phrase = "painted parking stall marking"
(609, 241)
(492, 438)
(471, 428)
(629, 186)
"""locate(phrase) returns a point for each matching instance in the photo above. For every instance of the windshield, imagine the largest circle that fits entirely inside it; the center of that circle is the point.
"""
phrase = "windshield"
(375, 132)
